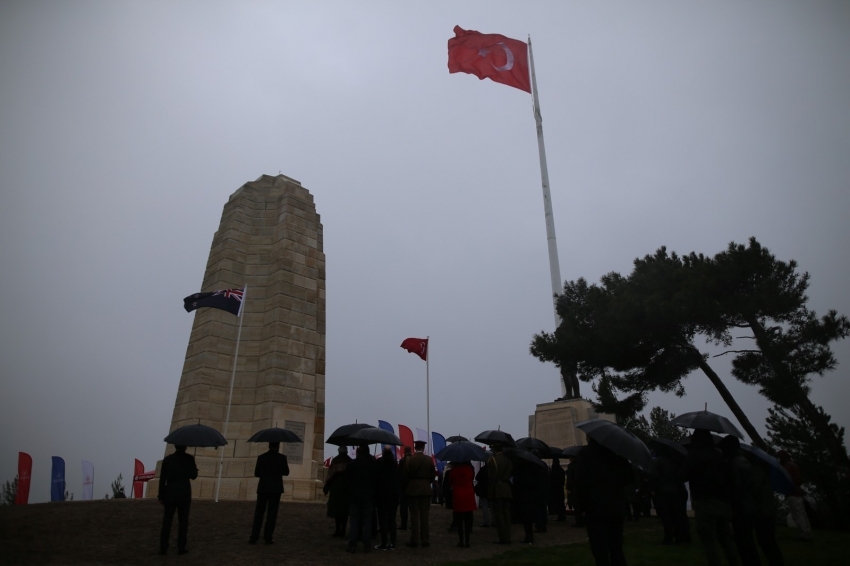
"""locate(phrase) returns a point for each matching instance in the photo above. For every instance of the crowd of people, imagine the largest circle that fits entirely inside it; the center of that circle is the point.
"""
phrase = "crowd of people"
(730, 493)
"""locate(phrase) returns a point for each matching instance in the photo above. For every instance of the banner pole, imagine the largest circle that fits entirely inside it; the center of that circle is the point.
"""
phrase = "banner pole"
(232, 379)
(554, 265)
(428, 395)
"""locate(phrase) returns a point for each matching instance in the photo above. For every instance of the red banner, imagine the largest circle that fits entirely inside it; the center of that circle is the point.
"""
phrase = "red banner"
(138, 486)
(405, 435)
(147, 476)
(24, 476)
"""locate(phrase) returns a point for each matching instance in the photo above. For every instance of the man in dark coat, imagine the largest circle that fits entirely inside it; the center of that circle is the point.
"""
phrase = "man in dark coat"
(671, 500)
(363, 478)
(386, 498)
(419, 473)
(271, 467)
(600, 480)
(499, 494)
(175, 494)
(557, 482)
(708, 475)
(402, 494)
(337, 489)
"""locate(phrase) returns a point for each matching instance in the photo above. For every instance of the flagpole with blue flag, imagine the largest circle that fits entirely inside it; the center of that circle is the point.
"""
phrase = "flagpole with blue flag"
(57, 480)
(232, 379)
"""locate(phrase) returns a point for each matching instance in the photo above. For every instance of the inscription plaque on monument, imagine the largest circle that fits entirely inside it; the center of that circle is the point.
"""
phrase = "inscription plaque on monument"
(294, 451)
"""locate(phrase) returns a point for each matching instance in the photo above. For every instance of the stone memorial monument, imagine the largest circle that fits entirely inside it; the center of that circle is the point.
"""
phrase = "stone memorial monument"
(554, 423)
(270, 239)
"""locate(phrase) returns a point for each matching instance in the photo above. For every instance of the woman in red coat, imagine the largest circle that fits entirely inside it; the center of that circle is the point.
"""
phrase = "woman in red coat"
(463, 495)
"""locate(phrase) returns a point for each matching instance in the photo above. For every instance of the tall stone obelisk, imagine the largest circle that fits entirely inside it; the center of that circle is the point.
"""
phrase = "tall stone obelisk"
(270, 238)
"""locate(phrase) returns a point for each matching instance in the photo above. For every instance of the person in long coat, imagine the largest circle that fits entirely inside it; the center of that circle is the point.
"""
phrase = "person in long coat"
(419, 473)
(386, 498)
(270, 468)
(525, 480)
(499, 472)
(175, 494)
(363, 477)
(337, 489)
(557, 484)
(671, 500)
(463, 500)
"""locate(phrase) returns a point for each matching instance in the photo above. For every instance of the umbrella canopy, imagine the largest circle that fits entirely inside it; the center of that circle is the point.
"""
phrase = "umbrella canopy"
(373, 435)
(780, 480)
(340, 435)
(462, 451)
(707, 421)
(519, 455)
(619, 441)
(275, 435)
(490, 437)
(457, 438)
(196, 435)
(531, 443)
(571, 451)
(552, 453)
(669, 447)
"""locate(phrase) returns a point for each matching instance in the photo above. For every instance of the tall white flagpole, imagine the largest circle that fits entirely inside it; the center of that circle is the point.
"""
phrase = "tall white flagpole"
(232, 379)
(428, 395)
(554, 265)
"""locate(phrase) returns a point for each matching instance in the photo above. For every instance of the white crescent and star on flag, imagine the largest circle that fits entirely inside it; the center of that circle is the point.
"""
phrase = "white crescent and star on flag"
(484, 52)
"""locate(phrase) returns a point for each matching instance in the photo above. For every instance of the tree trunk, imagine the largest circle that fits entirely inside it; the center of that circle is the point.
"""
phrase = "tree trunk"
(727, 396)
(803, 402)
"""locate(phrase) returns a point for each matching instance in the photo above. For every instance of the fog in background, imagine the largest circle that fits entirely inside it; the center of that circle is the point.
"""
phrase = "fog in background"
(125, 126)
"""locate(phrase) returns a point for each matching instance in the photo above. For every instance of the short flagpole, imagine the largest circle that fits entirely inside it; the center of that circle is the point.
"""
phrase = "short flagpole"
(428, 395)
(554, 265)
(232, 379)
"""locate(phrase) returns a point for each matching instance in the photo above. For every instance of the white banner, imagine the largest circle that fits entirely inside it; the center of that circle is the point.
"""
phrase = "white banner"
(88, 480)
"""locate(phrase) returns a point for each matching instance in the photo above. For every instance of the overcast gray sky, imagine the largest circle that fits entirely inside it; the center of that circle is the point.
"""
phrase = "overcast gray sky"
(125, 126)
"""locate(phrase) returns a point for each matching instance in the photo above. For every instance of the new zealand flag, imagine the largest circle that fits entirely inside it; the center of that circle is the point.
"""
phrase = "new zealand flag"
(229, 300)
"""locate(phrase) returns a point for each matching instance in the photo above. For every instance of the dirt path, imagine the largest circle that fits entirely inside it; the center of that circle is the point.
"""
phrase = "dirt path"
(127, 532)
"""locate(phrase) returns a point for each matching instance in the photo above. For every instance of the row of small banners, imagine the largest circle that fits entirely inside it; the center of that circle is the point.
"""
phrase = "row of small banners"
(57, 479)
(405, 434)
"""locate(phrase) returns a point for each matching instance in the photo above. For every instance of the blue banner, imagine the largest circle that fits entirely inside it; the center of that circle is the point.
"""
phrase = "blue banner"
(438, 442)
(57, 480)
(384, 425)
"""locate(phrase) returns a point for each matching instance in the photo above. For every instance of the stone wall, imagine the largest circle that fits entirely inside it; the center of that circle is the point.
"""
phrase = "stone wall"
(270, 238)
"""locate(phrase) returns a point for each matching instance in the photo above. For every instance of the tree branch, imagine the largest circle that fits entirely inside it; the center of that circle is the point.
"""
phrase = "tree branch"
(737, 352)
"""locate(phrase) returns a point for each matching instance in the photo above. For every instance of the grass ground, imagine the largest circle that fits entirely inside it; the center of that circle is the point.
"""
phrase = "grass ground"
(642, 548)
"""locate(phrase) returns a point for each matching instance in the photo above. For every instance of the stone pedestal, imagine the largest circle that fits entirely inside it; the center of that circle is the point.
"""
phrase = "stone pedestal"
(554, 423)
(270, 238)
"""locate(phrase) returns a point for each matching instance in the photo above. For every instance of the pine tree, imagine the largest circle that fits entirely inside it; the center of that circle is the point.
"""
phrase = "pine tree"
(9, 492)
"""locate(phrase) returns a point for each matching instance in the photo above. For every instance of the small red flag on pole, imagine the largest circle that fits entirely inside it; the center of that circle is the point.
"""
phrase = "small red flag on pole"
(490, 56)
(418, 346)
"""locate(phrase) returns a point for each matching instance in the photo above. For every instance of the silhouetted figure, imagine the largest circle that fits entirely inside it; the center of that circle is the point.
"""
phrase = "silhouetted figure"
(175, 494)
(419, 473)
(765, 514)
(499, 472)
(446, 497)
(795, 498)
(402, 496)
(743, 501)
(481, 484)
(386, 498)
(706, 471)
(557, 495)
(270, 468)
(337, 489)
(363, 477)
(671, 501)
(572, 503)
(463, 500)
(526, 484)
(600, 481)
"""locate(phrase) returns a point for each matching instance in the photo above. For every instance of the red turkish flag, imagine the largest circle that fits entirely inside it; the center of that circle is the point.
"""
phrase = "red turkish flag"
(490, 56)
(418, 346)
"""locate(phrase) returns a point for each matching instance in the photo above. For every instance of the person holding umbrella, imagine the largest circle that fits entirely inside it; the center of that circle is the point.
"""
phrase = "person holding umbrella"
(499, 472)
(337, 489)
(463, 500)
(270, 468)
(175, 494)
(386, 498)
(363, 477)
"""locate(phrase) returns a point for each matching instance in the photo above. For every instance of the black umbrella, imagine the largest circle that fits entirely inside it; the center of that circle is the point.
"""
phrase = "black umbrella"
(457, 438)
(196, 435)
(571, 451)
(518, 455)
(491, 437)
(340, 435)
(707, 421)
(780, 480)
(275, 435)
(669, 447)
(686, 442)
(552, 453)
(619, 441)
(462, 451)
(373, 435)
(531, 443)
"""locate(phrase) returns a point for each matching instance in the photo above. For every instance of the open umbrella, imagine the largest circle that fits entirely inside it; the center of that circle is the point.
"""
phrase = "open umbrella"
(518, 455)
(780, 480)
(490, 437)
(669, 447)
(571, 451)
(531, 443)
(457, 438)
(373, 435)
(275, 435)
(340, 435)
(196, 435)
(707, 421)
(619, 441)
(552, 453)
(462, 451)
